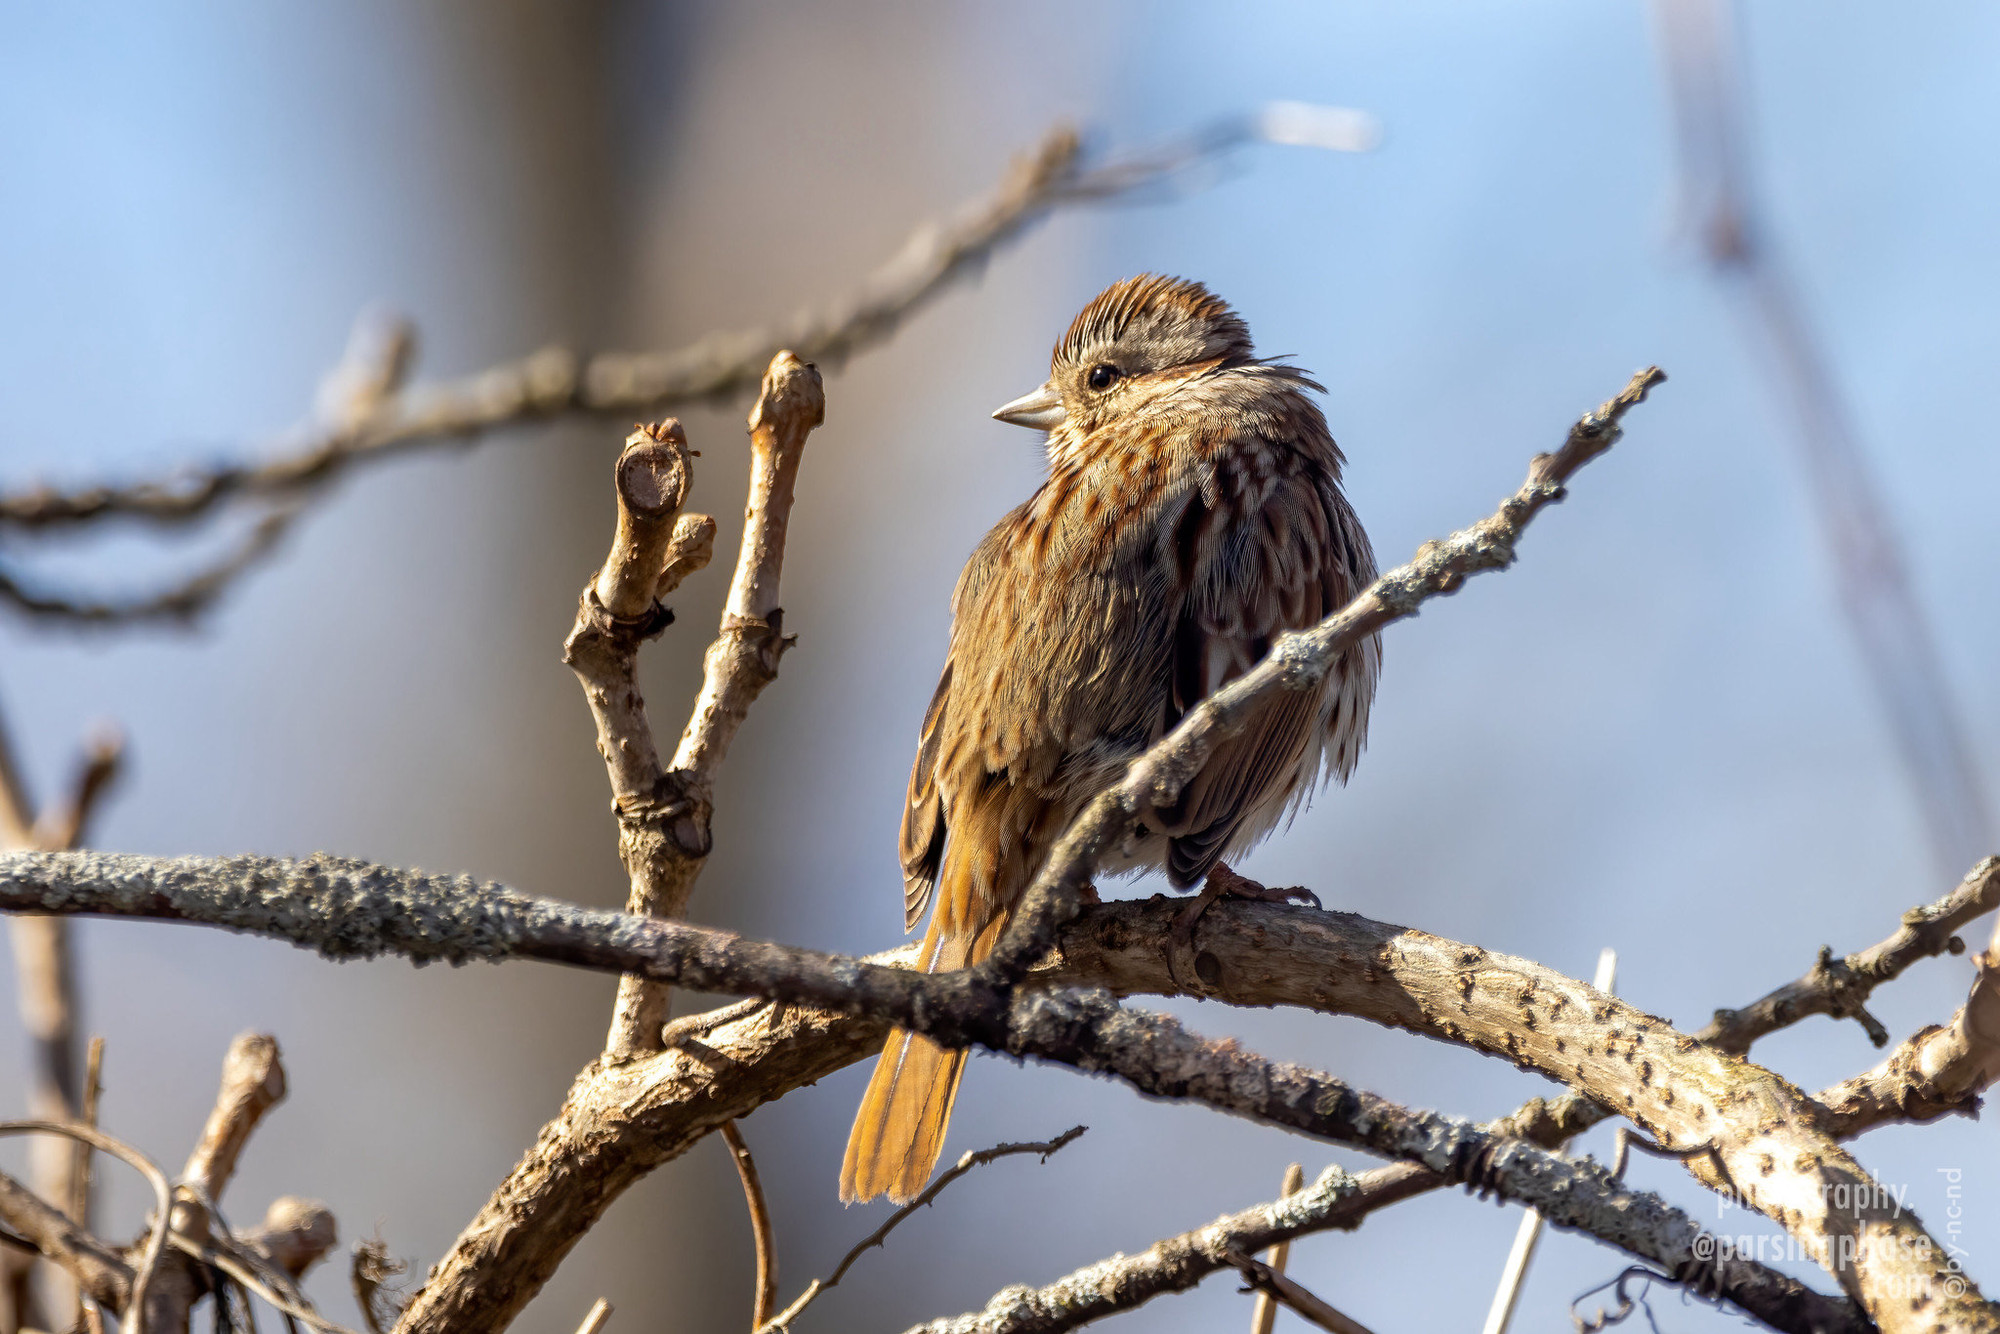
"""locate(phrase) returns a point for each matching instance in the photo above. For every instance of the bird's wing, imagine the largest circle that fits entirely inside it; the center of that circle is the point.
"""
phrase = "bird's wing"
(922, 839)
(1257, 561)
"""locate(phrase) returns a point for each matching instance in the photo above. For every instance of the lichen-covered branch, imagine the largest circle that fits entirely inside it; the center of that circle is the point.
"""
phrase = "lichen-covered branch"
(45, 983)
(1340, 1199)
(1761, 1132)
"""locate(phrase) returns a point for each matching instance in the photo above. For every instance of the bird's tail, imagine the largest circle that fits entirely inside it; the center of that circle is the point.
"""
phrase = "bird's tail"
(899, 1131)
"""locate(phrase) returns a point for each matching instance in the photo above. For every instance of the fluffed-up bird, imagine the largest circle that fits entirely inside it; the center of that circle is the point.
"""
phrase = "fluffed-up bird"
(1192, 513)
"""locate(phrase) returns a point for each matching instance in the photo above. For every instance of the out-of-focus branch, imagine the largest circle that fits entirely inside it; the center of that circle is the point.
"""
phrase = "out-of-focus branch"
(966, 1163)
(596, 1318)
(367, 413)
(179, 603)
(664, 836)
(1270, 1284)
(761, 1232)
(1264, 1311)
(45, 971)
(156, 1296)
(98, 1268)
(1898, 647)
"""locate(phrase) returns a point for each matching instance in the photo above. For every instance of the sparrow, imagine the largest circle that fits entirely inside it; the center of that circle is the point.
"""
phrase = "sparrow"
(1192, 513)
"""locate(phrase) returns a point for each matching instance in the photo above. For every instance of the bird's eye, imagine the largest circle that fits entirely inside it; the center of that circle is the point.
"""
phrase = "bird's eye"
(1102, 377)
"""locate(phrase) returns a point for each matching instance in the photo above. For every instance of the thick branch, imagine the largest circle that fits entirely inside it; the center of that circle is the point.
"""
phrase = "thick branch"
(1760, 1128)
(98, 1268)
(620, 1122)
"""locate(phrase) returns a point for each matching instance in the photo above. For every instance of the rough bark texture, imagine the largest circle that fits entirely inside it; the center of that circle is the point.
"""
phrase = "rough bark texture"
(619, 1123)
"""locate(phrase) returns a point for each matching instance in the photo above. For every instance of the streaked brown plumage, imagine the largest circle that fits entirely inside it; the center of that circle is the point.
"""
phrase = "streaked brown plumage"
(1192, 513)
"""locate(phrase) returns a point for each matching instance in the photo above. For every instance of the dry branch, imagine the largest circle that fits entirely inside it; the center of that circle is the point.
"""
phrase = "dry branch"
(45, 969)
(966, 1163)
(665, 837)
(1271, 1285)
(1338, 1199)
(1264, 1311)
(1840, 987)
(761, 1233)
(1417, 980)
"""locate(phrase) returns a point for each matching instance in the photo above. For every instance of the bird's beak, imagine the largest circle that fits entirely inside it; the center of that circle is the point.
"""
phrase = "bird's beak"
(1041, 409)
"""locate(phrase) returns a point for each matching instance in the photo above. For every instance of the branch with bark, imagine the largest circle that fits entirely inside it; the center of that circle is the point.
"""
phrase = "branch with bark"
(187, 1252)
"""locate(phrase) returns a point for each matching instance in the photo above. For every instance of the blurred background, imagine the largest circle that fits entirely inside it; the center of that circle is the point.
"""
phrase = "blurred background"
(1654, 734)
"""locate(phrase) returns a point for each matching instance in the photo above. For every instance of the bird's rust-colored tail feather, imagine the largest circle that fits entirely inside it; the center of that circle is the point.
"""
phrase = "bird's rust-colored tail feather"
(899, 1131)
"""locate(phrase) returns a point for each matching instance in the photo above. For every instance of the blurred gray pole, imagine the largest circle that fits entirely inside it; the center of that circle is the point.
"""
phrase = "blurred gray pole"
(1697, 43)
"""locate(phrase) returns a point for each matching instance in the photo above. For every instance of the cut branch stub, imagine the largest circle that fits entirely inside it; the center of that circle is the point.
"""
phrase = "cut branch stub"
(653, 476)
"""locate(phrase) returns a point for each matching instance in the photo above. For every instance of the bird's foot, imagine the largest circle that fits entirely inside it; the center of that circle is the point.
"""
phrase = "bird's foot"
(1222, 883)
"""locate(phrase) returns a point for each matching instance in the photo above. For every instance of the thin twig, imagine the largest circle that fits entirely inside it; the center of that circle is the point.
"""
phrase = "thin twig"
(761, 1231)
(1840, 987)
(178, 604)
(1269, 1282)
(966, 1163)
(163, 1197)
(1501, 1313)
(593, 1323)
(1264, 1311)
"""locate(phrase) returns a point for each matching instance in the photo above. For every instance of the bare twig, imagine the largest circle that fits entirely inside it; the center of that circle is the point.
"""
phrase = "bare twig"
(966, 1163)
(138, 1299)
(760, 1225)
(1936, 1071)
(1500, 1313)
(1269, 1282)
(1897, 644)
(1338, 1199)
(664, 838)
(80, 1171)
(99, 1270)
(593, 1323)
(1264, 1311)
(253, 1082)
(1840, 987)
(45, 967)
(179, 603)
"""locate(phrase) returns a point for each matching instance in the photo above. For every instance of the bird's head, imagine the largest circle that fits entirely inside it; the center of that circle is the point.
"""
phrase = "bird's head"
(1138, 339)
